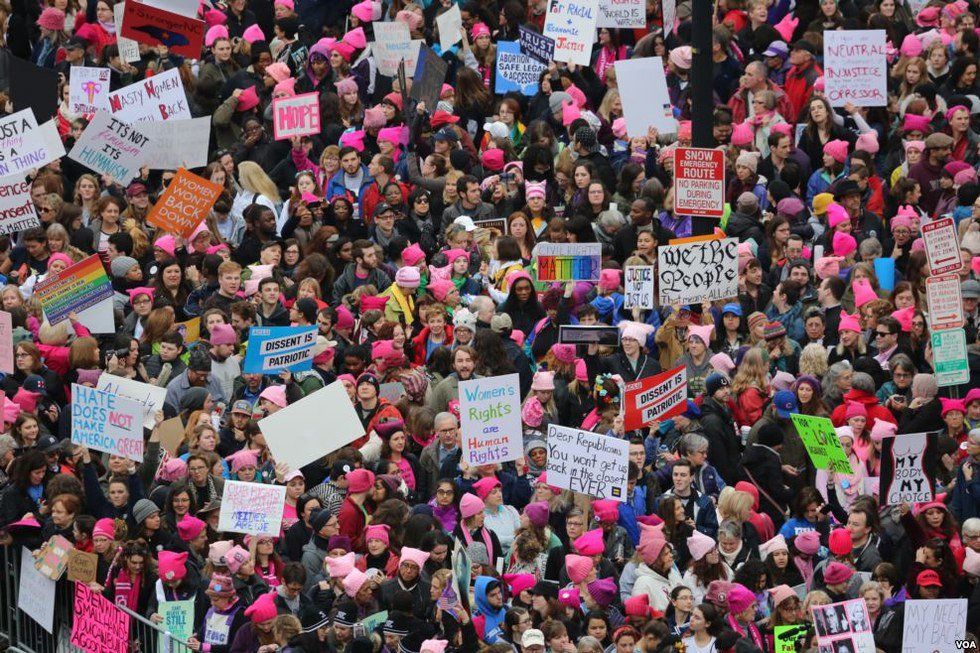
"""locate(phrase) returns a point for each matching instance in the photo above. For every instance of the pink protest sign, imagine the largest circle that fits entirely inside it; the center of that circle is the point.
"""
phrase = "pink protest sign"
(6, 344)
(98, 625)
(296, 116)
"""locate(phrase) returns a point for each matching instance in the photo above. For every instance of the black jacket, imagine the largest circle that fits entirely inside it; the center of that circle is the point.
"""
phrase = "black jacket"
(717, 425)
(765, 468)
(619, 364)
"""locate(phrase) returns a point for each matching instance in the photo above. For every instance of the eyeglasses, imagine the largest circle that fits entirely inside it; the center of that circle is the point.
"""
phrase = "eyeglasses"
(882, 334)
(444, 492)
(422, 200)
(22, 354)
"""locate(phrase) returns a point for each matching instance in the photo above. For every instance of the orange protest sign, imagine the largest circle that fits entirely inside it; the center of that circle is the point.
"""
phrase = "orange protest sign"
(184, 204)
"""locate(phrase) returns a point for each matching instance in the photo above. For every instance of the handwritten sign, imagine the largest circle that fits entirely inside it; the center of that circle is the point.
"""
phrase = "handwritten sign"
(111, 147)
(129, 50)
(106, 422)
(945, 302)
(88, 89)
(855, 67)
(516, 71)
(643, 90)
(178, 621)
(74, 289)
(490, 415)
(35, 592)
(98, 625)
(183, 35)
(908, 465)
(587, 462)
(160, 97)
(638, 284)
(296, 116)
(571, 24)
(393, 44)
(655, 398)
(82, 566)
(942, 247)
(949, 357)
(934, 625)
(699, 182)
(52, 558)
(177, 143)
(150, 397)
(691, 273)
(17, 211)
(622, 13)
(273, 349)
(822, 443)
(254, 508)
(568, 261)
(23, 145)
(843, 626)
(450, 25)
(184, 204)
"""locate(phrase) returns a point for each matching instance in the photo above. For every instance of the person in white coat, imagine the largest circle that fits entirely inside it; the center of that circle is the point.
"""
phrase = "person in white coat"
(657, 575)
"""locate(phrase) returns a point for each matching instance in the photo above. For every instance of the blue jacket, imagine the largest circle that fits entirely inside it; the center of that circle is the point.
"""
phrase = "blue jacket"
(491, 617)
(706, 519)
(336, 187)
(791, 319)
(966, 495)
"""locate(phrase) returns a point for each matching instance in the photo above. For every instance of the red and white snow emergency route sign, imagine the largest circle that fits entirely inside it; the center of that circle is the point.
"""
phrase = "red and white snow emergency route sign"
(699, 182)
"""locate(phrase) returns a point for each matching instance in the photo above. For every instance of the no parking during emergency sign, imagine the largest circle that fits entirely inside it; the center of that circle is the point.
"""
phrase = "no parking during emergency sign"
(699, 182)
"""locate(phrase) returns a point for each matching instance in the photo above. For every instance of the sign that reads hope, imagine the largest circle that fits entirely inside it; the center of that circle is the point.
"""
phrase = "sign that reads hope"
(296, 116)
(106, 422)
(699, 182)
(490, 415)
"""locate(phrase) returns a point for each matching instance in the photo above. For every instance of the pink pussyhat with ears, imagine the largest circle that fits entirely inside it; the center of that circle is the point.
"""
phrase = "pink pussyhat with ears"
(578, 567)
(253, 33)
(828, 266)
(286, 87)
(214, 33)
(786, 27)
(742, 135)
(849, 323)
(882, 429)
(867, 142)
(569, 113)
(353, 139)
(904, 317)
(844, 244)
(863, 292)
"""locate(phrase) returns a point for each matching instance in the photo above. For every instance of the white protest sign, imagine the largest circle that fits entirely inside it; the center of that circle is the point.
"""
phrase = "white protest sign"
(111, 147)
(156, 98)
(450, 27)
(692, 273)
(638, 284)
(129, 50)
(844, 627)
(622, 13)
(670, 15)
(855, 68)
(183, 7)
(253, 508)
(587, 462)
(906, 467)
(177, 143)
(393, 42)
(942, 246)
(88, 89)
(934, 625)
(106, 422)
(17, 210)
(296, 116)
(945, 302)
(490, 417)
(571, 23)
(23, 145)
(35, 592)
(296, 434)
(151, 397)
(643, 91)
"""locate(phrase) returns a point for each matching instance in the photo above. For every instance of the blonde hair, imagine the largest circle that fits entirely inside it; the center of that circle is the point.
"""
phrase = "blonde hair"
(252, 178)
(735, 504)
(813, 360)
(607, 101)
(751, 373)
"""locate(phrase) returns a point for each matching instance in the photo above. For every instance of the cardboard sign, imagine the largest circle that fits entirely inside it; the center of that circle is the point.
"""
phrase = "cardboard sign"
(643, 91)
(949, 357)
(98, 625)
(822, 443)
(945, 302)
(106, 422)
(182, 35)
(151, 397)
(537, 46)
(942, 246)
(638, 285)
(156, 98)
(253, 508)
(273, 349)
(430, 73)
(908, 467)
(699, 182)
(296, 435)
(568, 261)
(88, 89)
(171, 434)
(571, 23)
(111, 147)
(82, 566)
(626, 14)
(855, 67)
(74, 289)
(392, 44)
(177, 143)
(450, 25)
(296, 116)
(129, 50)
(843, 626)
(35, 592)
(490, 417)
(23, 145)
(516, 71)
(52, 558)
(6, 343)
(17, 211)
(178, 621)
(692, 273)
(576, 334)
(184, 204)
(934, 625)
(655, 398)
(587, 462)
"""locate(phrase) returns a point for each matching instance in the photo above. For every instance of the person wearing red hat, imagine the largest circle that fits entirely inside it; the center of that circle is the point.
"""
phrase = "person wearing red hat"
(353, 515)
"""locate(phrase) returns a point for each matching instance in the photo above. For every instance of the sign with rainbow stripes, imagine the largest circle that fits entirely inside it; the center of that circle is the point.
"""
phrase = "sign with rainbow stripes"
(76, 288)
(568, 261)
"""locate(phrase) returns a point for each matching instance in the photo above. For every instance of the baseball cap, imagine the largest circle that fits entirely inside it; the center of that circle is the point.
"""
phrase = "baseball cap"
(534, 637)
(48, 444)
(805, 45)
(446, 134)
(466, 221)
(777, 49)
(241, 406)
(76, 42)
(970, 289)
(927, 578)
(785, 403)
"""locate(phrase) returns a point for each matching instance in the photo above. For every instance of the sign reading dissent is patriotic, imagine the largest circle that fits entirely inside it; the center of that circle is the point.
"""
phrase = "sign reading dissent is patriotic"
(655, 398)
(699, 182)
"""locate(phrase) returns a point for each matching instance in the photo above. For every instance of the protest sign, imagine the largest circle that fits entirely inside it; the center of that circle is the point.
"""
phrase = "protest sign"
(171, 434)
(587, 462)
(885, 271)
(184, 204)
(74, 289)
(33, 87)
(392, 44)
(568, 261)
(822, 443)
(699, 182)
(372, 621)
(189, 329)
(111, 147)
(129, 50)
(82, 566)
(151, 397)
(934, 625)
(490, 417)
(296, 435)
(35, 592)
(105, 422)
(253, 508)
(182, 7)
(430, 73)
(177, 143)
(692, 273)
(274, 349)
(98, 625)
(571, 23)
(624, 14)
(23, 145)
(638, 287)
(516, 71)
(88, 89)
(643, 92)
(296, 116)
(655, 398)
(393, 391)
(17, 211)
(450, 24)
(52, 558)
(6, 343)
(855, 67)
(785, 638)
(942, 246)
(844, 626)
(576, 334)
(178, 621)
(949, 357)
(945, 302)
(670, 16)
(908, 465)
(183, 35)
(537, 46)
(160, 97)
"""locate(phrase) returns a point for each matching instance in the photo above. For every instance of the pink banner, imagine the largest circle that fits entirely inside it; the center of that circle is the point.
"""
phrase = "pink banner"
(98, 625)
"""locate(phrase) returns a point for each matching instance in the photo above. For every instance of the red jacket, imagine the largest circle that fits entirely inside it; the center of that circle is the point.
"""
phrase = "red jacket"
(799, 87)
(875, 410)
(419, 344)
(739, 106)
(352, 520)
(749, 406)
(373, 196)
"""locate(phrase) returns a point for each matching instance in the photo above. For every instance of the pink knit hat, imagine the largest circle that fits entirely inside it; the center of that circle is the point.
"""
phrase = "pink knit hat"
(106, 528)
(807, 542)
(569, 113)
(478, 30)
(619, 128)
(971, 564)
(777, 543)
(837, 149)
(167, 244)
(171, 566)
(836, 573)
(570, 597)
(828, 266)
(189, 527)
(700, 545)
(606, 511)
(882, 429)
(519, 582)
(836, 214)
(241, 459)
(610, 279)
(651, 546)
(52, 19)
(249, 99)
(863, 292)
(174, 469)
(867, 142)
(578, 567)
(367, 11)
(413, 254)
(844, 244)
(911, 46)
(253, 33)
(235, 558)
(286, 87)
(787, 26)
(58, 256)
(470, 505)
(722, 362)
(532, 413)
(341, 566)
(262, 609)
(374, 118)
(781, 593)
(214, 33)
(702, 332)
(278, 71)
(739, 598)
(214, 17)
(275, 394)
(742, 135)
(485, 486)
(849, 323)
(415, 556)
(538, 513)
(355, 139)
(378, 532)
(564, 353)
(354, 581)
(440, 288)
(904, 317)
(590, 543)
(543, 381)
(534, 189)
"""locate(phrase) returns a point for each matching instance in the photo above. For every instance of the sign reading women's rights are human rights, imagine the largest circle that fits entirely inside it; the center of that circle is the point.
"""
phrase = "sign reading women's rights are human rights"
(490, 414)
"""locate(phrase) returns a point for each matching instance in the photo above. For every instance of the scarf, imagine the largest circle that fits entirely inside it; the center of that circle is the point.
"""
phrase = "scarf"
(485, 536)
(753, 631)
(447, 516)
(109, 26)
(805, 567)
(405, 303)
(127, 590)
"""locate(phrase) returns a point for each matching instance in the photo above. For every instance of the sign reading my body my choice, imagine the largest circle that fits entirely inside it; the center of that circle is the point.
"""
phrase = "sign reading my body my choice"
(490, 414)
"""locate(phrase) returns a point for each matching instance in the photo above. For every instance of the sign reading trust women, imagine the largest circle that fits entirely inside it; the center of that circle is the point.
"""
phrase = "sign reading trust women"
(855, 69)
(490, 413)
(572, 24)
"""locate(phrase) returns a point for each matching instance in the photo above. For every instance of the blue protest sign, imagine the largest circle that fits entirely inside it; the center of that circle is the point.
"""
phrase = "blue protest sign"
(537, 46)
(273, 349)
(516, 71)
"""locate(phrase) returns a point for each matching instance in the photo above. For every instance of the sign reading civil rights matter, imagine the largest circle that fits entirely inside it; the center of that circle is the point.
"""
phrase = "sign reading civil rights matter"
(106, 422)
(568, 261)
(88, 89)
(571, 24)
(274, 349)
(74, 289)
(490, 417)
(111, 147)
(655, 398)
(296, 116)
(17, 211)
(699, 182)
(253, 508)
(908, 467)
(699, 271)
(160, 97)
(855, 67)
(587, 462)
(942, 246)
(184, 204)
